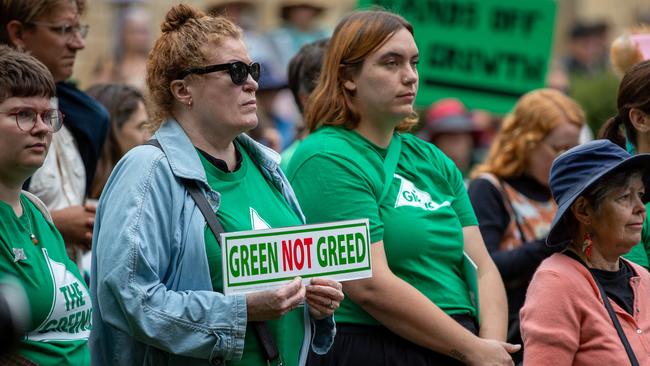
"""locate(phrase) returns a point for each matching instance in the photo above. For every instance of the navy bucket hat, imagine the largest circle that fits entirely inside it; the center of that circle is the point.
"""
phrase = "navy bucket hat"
(578, 169)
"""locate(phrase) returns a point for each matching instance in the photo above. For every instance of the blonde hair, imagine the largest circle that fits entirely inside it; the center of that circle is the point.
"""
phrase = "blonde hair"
(535, 115)
(624, 52)
(356, 37)
(187, 33)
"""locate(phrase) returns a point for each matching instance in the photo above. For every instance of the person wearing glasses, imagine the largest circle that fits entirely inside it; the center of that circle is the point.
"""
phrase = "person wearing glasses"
(156, 276)
(31, 248)
(51, 31)
(510, 194)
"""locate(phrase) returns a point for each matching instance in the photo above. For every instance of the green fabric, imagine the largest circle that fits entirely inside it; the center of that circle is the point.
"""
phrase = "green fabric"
(248, 202)
(287, 154)
(640, 252)
(338, 174)
(59, 300)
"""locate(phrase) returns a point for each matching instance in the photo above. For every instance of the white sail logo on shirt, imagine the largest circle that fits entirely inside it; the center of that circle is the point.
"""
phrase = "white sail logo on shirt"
(70, 317)
(409, 195)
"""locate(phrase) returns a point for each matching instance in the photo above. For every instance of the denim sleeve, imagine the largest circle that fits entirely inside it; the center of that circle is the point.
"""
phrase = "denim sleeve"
(140, 246)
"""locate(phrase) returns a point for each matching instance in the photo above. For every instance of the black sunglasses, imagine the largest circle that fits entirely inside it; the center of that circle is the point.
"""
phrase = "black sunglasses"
(238, 71)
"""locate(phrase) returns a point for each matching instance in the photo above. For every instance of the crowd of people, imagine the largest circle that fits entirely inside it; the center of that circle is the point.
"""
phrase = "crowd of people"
(113, 200)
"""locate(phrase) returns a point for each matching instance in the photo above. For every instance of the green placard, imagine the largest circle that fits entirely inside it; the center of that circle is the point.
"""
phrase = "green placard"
(485, 52)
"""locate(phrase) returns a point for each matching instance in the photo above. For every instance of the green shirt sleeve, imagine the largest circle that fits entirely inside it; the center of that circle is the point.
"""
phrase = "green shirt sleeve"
(461, 203)
(331, 188)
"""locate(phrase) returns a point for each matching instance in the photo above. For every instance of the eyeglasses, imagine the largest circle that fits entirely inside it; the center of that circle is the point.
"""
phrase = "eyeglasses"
(66, 31)
(26, 118)
(238, 71)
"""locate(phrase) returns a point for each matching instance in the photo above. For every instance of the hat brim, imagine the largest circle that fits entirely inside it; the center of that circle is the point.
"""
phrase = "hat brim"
(559, 234)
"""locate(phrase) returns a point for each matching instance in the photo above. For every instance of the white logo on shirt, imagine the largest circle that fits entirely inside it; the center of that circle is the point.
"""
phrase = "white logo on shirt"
(409, 195)
(19, 254)
(257, 222)
(71, 312)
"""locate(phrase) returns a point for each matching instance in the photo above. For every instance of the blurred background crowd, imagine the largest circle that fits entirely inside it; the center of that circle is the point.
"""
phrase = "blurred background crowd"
(580, 65)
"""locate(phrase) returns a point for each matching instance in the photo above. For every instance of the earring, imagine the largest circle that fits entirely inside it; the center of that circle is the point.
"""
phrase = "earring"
(587, 245)
(189, 104)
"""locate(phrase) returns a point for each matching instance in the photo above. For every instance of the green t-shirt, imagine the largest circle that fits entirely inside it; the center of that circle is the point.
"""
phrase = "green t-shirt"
(337, 174)
(287, 154)
(249, 201)
(640, 253)
(59, 301)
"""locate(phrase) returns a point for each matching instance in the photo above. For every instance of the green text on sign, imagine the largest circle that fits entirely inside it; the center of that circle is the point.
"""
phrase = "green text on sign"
(485, 52)
(263, 259)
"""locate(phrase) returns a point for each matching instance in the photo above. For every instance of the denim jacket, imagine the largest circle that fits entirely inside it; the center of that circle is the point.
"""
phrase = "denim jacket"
(150, 283)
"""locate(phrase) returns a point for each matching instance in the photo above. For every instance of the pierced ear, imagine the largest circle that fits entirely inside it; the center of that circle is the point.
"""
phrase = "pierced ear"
(640, 120)
(582, 211)
(15, 31)
(350, 85)
(181, 91)
(348, 81)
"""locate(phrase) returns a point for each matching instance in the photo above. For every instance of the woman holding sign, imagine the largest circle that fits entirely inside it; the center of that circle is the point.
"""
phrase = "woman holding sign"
(417, 308)
(156, 266)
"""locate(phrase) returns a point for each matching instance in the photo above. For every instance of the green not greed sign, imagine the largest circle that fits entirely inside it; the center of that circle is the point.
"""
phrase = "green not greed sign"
(258, 260)
(485, 52)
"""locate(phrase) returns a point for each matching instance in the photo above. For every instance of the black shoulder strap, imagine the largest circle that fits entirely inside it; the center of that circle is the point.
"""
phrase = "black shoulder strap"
(269, 347)
(612, 314)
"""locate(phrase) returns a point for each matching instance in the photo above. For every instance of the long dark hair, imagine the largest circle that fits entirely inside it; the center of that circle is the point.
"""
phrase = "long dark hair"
(121, 101)
(633, 92)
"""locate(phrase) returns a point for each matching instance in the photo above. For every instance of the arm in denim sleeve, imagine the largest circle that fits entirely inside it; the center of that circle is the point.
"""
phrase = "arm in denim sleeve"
(139, 239)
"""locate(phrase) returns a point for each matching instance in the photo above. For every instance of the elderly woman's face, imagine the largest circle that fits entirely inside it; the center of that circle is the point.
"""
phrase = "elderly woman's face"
(23, 151)
(220, 102)
(618, 221)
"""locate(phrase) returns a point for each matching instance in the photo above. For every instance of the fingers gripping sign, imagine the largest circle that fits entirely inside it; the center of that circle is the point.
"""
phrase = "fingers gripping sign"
(272, 304)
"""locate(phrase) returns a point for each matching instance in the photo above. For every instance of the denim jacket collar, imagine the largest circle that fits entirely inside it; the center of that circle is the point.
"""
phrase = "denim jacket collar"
(185, 162)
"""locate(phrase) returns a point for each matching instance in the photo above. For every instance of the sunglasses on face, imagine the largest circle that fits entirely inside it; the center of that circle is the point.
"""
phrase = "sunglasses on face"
(238, 71)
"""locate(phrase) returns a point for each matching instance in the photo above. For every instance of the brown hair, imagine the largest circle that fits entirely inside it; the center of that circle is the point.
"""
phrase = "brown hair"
(356, 37)
(22, 75)
(633, 92)
(187, 33)
(534, 116)
(121, 101)
(28, 11)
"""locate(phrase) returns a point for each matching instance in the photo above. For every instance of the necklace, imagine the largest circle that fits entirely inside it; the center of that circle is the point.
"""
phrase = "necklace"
(30, 231)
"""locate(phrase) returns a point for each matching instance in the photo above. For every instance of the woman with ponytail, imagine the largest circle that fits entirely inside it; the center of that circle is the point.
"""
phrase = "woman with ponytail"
(156, 265)
(630, 129)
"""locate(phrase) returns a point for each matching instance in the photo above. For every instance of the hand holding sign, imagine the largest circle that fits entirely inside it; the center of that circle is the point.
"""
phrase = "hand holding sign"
(272, 304)
(324, 297)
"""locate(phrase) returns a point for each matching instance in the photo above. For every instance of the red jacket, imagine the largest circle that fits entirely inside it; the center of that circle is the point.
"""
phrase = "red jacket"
(564, 320)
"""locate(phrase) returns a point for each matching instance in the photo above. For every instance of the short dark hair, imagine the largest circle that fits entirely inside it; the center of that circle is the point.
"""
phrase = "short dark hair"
(22, 75)
(304, 69)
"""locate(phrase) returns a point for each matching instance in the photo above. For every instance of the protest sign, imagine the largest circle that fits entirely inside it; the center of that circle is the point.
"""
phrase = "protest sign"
(258, 260)
(487, 53)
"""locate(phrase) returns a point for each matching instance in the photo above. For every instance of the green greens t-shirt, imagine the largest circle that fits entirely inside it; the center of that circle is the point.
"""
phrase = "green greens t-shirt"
(640, 253)
(249, 201)
(337, 174)
(59, 301)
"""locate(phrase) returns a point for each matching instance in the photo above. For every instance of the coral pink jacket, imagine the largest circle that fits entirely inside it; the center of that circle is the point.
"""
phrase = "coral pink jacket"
(564, 320)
